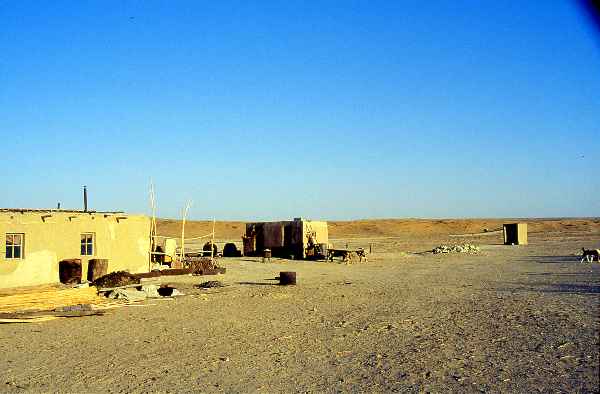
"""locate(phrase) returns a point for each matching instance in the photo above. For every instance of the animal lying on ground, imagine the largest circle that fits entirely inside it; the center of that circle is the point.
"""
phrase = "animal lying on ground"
(590, 254)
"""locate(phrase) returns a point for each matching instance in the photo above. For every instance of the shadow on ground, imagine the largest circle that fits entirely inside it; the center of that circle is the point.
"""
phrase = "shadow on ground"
(564, 283)
(261, 283)
(569, 259)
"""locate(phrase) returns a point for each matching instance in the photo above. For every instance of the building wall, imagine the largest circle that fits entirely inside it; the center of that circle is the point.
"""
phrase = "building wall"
(320, 228)
(287, 238)
(122, 239)
(273, 235)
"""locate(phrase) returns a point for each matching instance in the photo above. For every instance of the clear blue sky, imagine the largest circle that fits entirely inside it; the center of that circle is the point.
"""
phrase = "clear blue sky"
(335, 110)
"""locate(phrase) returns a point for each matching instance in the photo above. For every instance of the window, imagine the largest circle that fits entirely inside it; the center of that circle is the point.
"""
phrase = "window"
(14, 246)
(87, 244)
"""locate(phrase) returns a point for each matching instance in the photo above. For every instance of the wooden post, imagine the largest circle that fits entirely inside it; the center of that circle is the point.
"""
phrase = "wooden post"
(370, 248)
(212, 243)
(153, 231)
(185, 212)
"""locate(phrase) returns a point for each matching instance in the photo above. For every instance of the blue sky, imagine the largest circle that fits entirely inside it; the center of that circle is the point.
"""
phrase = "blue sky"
(334, 110)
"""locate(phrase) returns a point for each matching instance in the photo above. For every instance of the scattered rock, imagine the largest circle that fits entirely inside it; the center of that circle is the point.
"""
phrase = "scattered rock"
(566, 346)
(210, 284)
(464, 248)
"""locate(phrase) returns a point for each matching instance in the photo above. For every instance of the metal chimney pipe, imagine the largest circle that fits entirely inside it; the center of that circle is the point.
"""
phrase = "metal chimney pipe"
(85, 199)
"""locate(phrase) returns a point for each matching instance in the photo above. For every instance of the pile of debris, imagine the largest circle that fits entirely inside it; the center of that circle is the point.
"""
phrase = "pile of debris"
(132, 294)
(210, 284)
(464, 248)
(204, 266)
(116, 279)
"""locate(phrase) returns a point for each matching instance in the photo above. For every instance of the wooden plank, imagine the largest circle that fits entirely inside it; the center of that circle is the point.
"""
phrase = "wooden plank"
(33, 320)
(47, 300)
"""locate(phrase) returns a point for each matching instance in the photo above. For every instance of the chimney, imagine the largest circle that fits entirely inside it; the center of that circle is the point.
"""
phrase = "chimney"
(85, 199)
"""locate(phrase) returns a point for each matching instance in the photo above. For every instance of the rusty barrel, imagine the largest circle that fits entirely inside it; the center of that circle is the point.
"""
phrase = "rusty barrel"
(69, 271)
(96, 269)
(287, 278)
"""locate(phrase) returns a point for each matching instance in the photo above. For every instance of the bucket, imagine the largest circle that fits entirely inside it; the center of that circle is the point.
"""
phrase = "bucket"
(287, 278)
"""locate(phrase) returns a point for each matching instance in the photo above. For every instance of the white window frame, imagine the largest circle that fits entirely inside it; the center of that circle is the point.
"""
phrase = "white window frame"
(12, 246)
(86, 243)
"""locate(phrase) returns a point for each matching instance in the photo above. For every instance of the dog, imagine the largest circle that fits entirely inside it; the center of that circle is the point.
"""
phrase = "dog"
(362, 255)
(590, 254)
(347, 256)
(344, 254)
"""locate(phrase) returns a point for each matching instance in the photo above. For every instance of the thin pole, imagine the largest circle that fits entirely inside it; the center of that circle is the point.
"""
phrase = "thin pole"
(85, 207)
(184, 214)
(212, 243)
(153, 229)
(153, 205)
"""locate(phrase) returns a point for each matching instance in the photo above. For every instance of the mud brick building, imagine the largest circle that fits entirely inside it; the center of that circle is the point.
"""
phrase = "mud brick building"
(284, 238)
(34, 242)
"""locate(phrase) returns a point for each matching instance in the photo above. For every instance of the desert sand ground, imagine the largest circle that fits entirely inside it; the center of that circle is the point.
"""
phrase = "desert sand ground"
(510, 319)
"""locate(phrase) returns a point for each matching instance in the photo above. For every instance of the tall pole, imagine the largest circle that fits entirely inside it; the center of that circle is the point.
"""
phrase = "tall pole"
(85, 207)
(153, 231)
(212, 243)
(184, 215)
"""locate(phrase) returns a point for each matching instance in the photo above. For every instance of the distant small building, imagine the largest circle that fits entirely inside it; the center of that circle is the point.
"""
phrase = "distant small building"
(36, 241)
(515, 233)
(284, 238)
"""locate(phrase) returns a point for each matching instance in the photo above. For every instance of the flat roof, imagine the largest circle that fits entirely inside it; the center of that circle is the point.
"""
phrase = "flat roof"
(24, 210)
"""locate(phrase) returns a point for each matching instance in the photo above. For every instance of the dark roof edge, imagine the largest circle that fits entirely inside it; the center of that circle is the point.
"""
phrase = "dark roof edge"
(23, 210)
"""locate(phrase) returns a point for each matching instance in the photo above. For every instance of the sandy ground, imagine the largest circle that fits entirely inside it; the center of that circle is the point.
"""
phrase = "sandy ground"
(418, 229)
(511, 319)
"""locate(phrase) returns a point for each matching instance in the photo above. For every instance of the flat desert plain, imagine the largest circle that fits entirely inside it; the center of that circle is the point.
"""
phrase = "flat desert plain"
(509, 319)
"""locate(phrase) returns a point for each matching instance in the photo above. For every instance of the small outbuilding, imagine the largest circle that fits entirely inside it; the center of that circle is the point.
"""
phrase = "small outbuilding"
(288, 239)
(515, 233)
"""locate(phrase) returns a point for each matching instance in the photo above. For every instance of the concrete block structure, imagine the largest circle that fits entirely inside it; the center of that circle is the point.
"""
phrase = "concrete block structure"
(284, 238)
(515, 233)
(35, 241)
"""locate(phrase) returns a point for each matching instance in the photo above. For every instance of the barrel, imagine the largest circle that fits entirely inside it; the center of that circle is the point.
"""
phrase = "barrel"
(96, 269)
(69, 271)
(287, 278)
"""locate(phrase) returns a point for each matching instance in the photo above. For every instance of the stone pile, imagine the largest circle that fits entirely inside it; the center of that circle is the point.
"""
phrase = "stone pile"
(464, 248)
